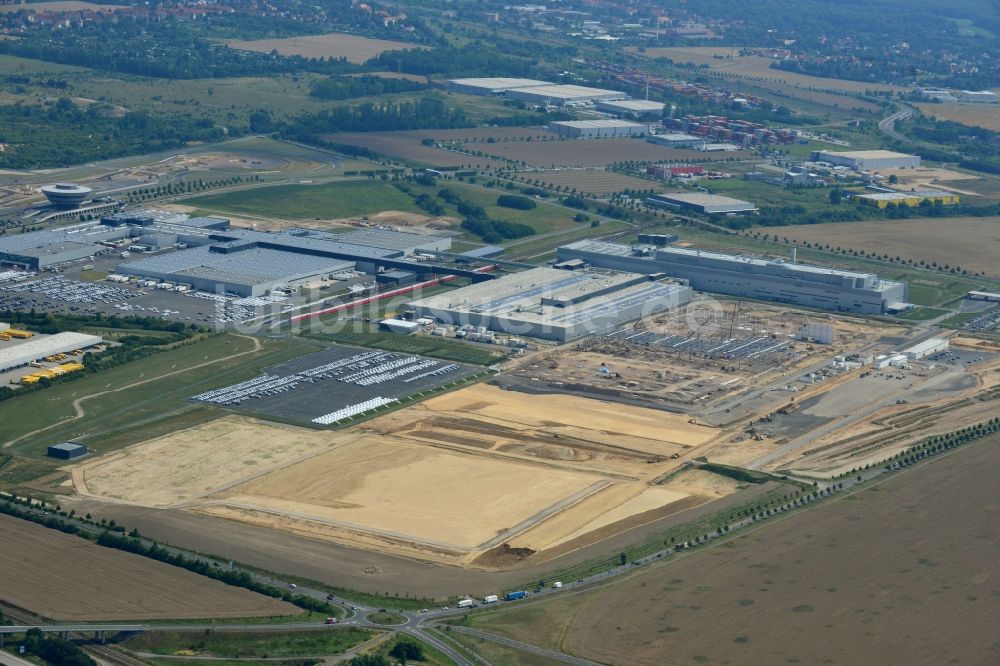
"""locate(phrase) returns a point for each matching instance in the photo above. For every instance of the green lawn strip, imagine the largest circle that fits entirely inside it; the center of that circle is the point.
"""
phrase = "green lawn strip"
(326, 201)
(922, 313)
(431, 655)
(387, 618)
(148, 402)
(497, 654)
(387, 600)
(238, 645)
(408, 344)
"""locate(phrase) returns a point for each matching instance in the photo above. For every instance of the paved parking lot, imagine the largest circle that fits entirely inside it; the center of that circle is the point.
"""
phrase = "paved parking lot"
(336, 384)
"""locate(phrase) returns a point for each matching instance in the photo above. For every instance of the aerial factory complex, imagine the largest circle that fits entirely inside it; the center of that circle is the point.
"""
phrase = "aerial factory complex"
(747, 277)
(555, 304)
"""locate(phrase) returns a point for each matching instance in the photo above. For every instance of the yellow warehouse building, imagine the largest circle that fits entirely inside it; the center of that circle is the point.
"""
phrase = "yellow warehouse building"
(912, 199)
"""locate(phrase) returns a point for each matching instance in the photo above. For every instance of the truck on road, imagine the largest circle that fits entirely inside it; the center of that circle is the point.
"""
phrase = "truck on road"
(514, 596)
(466, 603)
(491, 598)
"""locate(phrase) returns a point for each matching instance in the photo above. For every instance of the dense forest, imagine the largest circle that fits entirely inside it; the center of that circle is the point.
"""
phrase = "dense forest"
(61, 134)
(349, 87)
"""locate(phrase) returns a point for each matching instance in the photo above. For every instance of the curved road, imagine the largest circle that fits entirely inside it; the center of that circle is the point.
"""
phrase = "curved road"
(888, 124)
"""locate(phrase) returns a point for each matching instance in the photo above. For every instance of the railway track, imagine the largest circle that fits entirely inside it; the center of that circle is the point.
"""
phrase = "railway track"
(104, 653)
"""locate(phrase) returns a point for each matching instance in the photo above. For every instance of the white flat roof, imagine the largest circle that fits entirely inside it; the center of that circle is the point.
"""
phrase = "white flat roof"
(568, 91)
(926, 346)
(676, 136)
(635, 104)
(866, 154)
(596, 124)
(499, 82)
(702, 199)
(15, 355)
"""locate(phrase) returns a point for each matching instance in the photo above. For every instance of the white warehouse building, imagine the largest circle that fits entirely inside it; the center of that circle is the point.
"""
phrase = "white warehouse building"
(867, 160)
(979, 96)
(632, 108)
(598, 129)
(493, 86)
(926, 348)
(36, 348)
(563, 95)
(554, 304)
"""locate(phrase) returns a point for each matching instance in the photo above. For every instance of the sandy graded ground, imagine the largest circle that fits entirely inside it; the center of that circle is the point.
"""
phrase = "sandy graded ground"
(611, 419)
(895, 574)
(333, 45)
(417, 492)
(446, 481)
(192, 463)
(83, 581)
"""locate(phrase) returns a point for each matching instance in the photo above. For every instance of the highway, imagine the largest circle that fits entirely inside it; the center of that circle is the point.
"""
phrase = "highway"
(888, 124)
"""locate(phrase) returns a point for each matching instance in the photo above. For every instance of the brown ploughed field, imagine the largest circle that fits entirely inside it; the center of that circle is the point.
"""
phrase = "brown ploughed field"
(64, 577)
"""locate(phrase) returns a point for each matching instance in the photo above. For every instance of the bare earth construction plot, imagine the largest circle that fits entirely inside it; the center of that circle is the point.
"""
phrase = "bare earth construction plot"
(480, 477)
(333, 45)
(968, 242)
(83, 581)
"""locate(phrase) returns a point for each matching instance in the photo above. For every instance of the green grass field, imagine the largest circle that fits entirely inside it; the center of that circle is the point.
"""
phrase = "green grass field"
(410, 344)
(544, 218)
(497, 654)
(321, 643)
(764, 195)
(116, 419)
(300, 202)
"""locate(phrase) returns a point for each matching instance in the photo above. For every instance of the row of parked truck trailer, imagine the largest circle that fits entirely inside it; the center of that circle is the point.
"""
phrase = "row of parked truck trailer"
(509, 596)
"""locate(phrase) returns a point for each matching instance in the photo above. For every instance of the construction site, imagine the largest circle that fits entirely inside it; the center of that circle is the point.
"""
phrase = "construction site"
(561, 448)
(695, 356)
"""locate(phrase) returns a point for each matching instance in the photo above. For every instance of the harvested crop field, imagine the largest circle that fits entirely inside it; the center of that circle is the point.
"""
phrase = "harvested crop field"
(897, 573)
(979, 115)
(599, 152)
(510, 143)
(83, 581)
(407, 145)
(968, 242)
(726, 59)
(333, 45)
(594, 181)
